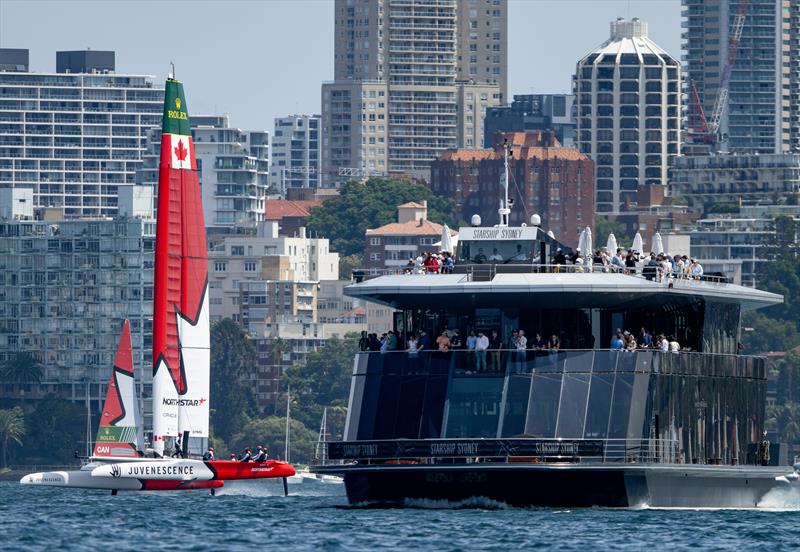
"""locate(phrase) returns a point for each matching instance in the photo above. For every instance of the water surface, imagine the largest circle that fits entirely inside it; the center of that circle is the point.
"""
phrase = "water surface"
(254, 516)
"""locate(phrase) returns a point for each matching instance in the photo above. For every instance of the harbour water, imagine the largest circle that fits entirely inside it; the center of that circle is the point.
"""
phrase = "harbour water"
(256, 516)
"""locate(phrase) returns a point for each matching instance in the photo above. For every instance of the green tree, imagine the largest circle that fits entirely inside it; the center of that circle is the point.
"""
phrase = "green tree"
(22, 368)
(323, 380)
(603, 226)
(777, 328)
(233, 359)
(346, 218)
(764, 334)
(55, 430)
(271, 432)
(12, 429)
(347, 263)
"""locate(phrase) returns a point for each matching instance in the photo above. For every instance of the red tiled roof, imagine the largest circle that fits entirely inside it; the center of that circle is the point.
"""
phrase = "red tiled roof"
(567, 154)
(277, 209)
(412, 205)
(357, 311)
(410, 228)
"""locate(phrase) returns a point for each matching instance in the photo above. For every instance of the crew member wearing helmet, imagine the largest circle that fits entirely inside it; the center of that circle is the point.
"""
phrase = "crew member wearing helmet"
(261, 454)
(209, 454)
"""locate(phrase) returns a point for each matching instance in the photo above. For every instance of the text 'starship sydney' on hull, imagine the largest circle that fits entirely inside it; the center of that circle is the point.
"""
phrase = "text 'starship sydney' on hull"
(578, 424)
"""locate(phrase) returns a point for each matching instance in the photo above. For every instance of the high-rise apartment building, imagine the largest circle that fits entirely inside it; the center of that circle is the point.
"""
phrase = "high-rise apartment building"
(355, 137)
(473, 101)
(66, 286)
(482, 39)
(711, 180)
(233, 166)
(295, 153)
(759, 109)
(533, 112)
(628, 105)
(410, 47)
(74, 137)
(794, 75)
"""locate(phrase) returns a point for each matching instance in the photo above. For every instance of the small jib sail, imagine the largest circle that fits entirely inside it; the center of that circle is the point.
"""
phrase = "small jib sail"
(119, 432)
(180, 302)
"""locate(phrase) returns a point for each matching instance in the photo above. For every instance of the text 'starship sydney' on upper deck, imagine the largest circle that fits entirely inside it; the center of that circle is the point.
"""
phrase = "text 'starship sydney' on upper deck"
(582, 425)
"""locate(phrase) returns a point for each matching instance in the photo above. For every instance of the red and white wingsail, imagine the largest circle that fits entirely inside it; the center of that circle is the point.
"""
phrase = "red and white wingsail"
(119, 432)
(180, 306)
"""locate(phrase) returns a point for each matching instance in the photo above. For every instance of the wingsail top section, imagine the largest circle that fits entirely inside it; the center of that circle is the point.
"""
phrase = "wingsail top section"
(180, 306)
(118, 435)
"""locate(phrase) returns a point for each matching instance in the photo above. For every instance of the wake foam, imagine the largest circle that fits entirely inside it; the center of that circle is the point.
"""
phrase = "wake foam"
(274, 487)
(783, 497)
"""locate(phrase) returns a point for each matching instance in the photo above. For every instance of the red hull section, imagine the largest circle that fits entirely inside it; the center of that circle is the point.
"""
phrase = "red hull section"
(231, 469)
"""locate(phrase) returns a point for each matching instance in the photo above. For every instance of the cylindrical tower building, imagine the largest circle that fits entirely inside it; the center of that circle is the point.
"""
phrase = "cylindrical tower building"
(628, 112)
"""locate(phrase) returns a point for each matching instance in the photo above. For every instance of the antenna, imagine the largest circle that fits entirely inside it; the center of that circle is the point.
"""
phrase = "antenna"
(505, 210)
(172, 75)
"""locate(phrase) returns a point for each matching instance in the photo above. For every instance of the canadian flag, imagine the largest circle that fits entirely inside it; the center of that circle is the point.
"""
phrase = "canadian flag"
(180, 148)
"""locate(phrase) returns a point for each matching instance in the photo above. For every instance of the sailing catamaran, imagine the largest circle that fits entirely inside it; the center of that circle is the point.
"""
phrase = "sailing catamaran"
(181, 348)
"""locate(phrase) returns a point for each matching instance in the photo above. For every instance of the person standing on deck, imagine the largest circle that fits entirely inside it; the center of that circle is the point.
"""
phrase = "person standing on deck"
(481, 344)
(496, 344)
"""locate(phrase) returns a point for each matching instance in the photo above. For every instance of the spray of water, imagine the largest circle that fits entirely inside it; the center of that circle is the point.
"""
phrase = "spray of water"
(781, 498)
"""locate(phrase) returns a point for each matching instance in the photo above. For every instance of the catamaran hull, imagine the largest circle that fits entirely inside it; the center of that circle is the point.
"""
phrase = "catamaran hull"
(193, 470)
(85, 480)
(552, 485)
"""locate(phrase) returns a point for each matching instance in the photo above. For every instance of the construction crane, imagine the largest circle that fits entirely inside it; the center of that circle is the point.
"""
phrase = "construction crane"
(706, 130)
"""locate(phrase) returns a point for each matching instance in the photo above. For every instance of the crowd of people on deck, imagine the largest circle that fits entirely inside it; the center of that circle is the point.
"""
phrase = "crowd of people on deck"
(485, 349)
(431, 263)
(658, 267)
(626, 341)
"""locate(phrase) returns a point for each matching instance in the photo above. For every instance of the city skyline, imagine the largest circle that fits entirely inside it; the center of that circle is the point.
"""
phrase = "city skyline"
(540, 59)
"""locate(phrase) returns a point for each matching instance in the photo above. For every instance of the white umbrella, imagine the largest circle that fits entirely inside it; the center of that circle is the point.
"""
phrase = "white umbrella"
(588, 243)
(582, 241)
(638, 243)
(611, 244)
(447, 243)
(658, 245)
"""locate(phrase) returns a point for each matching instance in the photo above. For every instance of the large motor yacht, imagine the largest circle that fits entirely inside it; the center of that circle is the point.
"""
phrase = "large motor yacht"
(578, 425)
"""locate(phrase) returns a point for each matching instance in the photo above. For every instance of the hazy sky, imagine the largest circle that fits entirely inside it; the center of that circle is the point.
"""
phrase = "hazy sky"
(261, 59)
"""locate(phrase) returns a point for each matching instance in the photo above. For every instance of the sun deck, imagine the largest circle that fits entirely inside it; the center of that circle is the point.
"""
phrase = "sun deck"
(581, 287)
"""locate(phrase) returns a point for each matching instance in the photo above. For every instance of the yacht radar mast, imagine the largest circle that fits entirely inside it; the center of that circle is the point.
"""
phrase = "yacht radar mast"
(505, 204)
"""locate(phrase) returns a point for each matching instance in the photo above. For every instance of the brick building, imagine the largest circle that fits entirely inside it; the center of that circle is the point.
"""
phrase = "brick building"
(545, 178)
(393, 244)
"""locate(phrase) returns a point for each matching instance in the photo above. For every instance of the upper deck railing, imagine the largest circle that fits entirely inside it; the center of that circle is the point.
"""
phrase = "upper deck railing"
(528, 362)
(514, 450)
(485, 272)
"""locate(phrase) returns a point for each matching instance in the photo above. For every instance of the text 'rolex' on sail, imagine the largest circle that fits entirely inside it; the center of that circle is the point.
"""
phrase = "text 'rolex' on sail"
(180, 309)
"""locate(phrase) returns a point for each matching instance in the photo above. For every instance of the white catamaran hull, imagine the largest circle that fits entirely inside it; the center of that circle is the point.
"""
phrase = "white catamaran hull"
(80, 479)
(172, 470)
